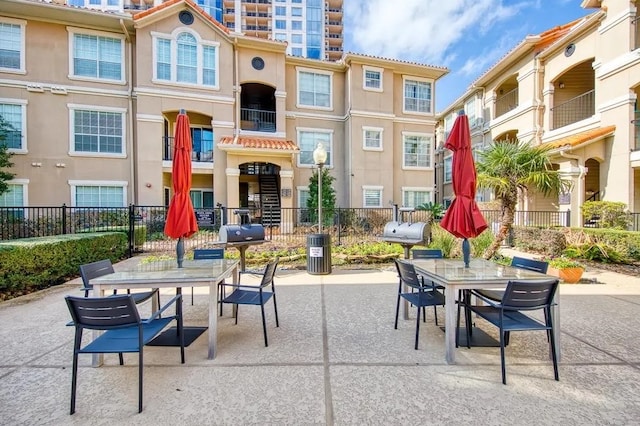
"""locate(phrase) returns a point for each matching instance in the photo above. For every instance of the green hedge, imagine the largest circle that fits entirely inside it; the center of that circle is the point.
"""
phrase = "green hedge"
(139, 232)
(36, 263)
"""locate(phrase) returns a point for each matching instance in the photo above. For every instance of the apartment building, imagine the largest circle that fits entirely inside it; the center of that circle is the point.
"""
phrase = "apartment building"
(94, 97)
(574, 88)
(312, 28)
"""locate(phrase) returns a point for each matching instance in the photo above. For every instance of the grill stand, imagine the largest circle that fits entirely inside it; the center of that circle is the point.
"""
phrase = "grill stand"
(407, 255)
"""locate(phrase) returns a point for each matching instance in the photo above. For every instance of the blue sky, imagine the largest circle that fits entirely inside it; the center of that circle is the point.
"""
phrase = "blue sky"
(466, 36)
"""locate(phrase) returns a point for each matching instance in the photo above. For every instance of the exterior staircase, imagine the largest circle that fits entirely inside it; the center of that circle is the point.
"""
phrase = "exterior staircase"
(270, 200)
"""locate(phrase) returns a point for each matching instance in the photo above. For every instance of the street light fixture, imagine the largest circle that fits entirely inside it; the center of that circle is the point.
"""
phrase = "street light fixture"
(320, 158)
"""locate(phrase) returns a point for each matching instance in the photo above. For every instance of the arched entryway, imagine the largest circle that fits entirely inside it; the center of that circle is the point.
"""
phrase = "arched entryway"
(592, 180)
(259, 191)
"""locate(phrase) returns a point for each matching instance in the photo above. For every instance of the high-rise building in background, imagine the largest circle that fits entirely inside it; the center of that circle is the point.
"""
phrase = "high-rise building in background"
(312, 28)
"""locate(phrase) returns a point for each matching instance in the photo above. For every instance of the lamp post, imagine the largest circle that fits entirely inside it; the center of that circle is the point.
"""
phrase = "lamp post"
(319, 245)
(319, 158)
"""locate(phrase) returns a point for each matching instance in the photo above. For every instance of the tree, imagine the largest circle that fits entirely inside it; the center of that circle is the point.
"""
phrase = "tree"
(511, 168)
(5, 156)
(435, 210)
(328, 197)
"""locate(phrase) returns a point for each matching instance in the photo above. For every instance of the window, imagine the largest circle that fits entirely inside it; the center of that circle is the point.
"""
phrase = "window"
(296, 51)
(13, 112)
(470, 110)
(201, 198)
(413, 197)
(314, 89)
(372, 79)
(296, 11)
(202, 145)
(12, 49)
(15, 196)
(184, 58)
(371, 196)
(417, 96)
(97, 131)
(372, 138)
(448, 167)
(296, 38)
(281, 36)
(304, 215)
(97, 56)
(308, 140)
(296, 25)
(281, 24)
(416, 150)
(98, 194)
(281, 11)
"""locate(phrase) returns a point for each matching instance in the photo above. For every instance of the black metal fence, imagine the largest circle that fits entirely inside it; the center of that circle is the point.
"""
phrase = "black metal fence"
(145, 224)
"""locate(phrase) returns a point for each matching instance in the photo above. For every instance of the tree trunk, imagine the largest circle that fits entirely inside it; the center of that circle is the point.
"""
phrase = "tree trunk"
(506, 224)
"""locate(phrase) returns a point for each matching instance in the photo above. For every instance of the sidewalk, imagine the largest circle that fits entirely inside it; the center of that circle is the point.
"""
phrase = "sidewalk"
(335, 360)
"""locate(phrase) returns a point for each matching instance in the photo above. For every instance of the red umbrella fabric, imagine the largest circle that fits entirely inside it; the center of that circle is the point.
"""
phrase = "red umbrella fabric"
(181, 220)
(463, 218)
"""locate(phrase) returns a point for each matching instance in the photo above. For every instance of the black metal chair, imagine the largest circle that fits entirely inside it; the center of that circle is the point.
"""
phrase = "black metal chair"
(213, 253)
(97, 269)
(428, 254)
(419, 295)
(508, 316)
(244, 294)
(124, 330)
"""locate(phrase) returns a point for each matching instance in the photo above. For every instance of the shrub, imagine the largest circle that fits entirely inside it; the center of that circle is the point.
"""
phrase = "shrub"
(610, 214)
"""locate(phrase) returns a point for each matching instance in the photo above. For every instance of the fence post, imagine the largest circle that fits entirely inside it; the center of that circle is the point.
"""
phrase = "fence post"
(132, 229)
(64, 218)
(567, 218)
(339, 228)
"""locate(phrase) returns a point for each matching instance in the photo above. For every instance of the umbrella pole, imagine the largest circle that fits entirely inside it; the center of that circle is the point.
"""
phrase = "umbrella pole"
(180, 251)
(466, 252)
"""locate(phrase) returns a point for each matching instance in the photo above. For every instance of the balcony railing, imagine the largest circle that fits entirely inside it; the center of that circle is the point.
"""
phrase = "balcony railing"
(256, 28)
(579, 108)
(507, 102)
(201, 154)
(257, 120)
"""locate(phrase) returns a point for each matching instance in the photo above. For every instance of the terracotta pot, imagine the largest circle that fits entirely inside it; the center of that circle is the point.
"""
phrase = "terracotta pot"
(567, 275)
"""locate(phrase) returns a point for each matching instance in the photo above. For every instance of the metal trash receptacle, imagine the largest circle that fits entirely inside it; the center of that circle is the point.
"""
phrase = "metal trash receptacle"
(319, 254)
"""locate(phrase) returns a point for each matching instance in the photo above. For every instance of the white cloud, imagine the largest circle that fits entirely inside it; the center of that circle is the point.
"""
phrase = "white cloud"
(421, 30)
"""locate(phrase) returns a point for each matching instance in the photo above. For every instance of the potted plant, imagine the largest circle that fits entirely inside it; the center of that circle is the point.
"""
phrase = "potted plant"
(567, 269)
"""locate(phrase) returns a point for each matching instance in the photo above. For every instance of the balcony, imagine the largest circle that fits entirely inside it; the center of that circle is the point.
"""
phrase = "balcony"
(256, 28)
(257, 120)
(201, 154)
(507, 102)
(579, 108)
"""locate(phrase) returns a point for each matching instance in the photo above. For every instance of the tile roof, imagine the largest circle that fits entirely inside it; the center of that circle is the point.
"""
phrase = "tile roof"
(251, 142)
(582, 137)
(191, 3)
(548, 37)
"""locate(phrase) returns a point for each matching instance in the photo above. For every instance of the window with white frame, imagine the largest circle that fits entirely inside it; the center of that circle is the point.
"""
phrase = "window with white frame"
(308, 140)
(470, 110)
(15, 196)
(314, 89)
(12, 45)
(296, 11)
(372, 196)
(417, 95)
(417, 150)
(372, 138)
(97, 131)
(448, 169)
(98, 193)
(281, 24)
(296, 51)
(281, 36)
(183, 57)
(304, 214)
(201, 198)
(413, 197)
(96, 55)
(296, 25)
(113, 5)
(13, 111)
(372, 79)
(281, 10)
(296, 38)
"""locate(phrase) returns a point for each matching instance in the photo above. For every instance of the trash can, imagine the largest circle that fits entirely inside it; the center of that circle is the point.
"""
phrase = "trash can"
(319, 254)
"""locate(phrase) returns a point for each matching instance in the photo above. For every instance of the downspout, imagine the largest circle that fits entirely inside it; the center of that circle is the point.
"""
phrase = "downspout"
(538, 116)
(349, 136)
(131, 140)
(236, 73)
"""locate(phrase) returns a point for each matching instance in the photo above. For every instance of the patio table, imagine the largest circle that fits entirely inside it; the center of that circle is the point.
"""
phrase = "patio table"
(481, 274)
(166, 274)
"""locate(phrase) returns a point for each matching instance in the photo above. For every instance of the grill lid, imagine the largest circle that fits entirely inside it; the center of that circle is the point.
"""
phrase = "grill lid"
(242, 233)
(406, 233)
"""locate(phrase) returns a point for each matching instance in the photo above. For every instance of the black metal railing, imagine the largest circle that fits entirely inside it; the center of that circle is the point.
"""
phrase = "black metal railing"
(201, 154)
(258, 120)
(507, 102)
(579, 108)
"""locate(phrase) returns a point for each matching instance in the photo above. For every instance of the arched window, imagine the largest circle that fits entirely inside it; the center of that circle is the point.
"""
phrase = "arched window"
(186, 59)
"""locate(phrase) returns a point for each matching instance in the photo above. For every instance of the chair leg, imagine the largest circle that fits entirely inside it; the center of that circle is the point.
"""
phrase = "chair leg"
(502, 361)
(235, 308)
(181, 331)
(221, 297)
(435, 314)
(140, 358)
(417, 327)
(121, 359)
(191, 296)
(275, 308)
(397, 311)
(264, 325)
(552, 337)
(74, 382)
(424, 314)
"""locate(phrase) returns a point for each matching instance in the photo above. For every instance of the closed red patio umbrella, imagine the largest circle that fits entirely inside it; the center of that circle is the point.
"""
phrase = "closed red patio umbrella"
(463, 217)
(181, 219)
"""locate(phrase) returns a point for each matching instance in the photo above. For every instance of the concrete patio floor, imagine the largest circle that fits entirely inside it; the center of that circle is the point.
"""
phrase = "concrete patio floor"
(335, 360)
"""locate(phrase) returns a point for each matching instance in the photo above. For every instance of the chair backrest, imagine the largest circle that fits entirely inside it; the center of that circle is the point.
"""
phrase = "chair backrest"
(530, 264)
(407, 274)
(93, 270)
(214, 253)
(269, 273)
(529, 294)
(103, 313)
(426, 254)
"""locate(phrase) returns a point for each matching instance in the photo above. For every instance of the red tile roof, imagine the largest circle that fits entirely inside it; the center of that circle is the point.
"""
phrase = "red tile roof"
(252, 142)
(548, 37)
(191, 3)
(582, 137)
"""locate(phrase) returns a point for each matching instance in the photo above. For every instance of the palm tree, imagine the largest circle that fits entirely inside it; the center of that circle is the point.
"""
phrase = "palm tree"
(508, 168)
(435, 211)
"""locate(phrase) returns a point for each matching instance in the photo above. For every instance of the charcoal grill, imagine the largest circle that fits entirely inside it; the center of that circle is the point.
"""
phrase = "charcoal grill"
(405, 233)
(241, 235)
